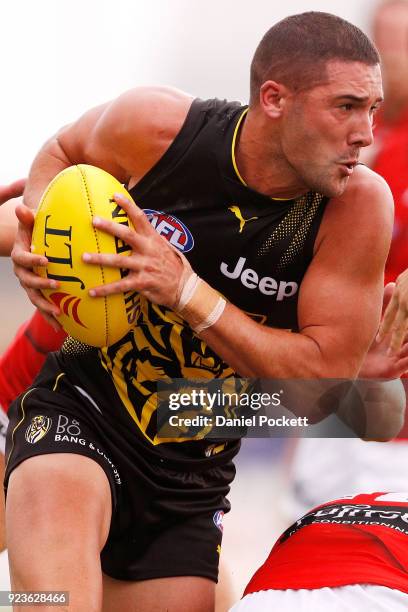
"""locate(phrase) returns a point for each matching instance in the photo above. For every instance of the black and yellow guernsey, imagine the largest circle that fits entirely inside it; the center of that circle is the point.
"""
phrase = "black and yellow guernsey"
(252, 249)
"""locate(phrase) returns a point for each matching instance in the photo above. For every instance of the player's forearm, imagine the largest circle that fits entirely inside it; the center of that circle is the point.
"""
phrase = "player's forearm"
(7, 236)
(254, 350)
(8, 226)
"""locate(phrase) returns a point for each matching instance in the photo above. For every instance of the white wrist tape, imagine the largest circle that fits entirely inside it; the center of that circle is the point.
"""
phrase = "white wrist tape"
(188, 291)
(212, 317)
(199, 304)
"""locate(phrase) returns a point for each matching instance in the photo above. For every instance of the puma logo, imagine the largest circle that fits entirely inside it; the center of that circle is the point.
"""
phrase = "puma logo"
(236, 211)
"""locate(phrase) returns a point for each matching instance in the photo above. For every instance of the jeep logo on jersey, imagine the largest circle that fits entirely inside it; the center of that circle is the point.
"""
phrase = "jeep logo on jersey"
(266, 285)
(171, 228)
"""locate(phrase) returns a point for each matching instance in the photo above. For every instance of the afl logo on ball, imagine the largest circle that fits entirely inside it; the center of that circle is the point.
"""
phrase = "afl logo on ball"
(40, 426)
(171, 228)
(217, 518)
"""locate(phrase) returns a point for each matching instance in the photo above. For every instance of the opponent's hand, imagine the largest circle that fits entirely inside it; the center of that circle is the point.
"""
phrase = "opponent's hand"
(395, 320)
(14, 190)
(156, 269)
(24, 261)
(380, 362)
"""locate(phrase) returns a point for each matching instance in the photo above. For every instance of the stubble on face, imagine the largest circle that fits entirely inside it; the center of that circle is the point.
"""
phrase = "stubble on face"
(317, 138)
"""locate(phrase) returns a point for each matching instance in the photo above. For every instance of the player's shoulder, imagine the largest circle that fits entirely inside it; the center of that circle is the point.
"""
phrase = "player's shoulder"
(367, 184)
(367, 199)
(139, 126)
(363, 212)
(158, 112)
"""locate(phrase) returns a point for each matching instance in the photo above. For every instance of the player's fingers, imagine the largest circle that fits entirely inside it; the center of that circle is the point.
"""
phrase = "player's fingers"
(387, 295)
(25, 215)
(13, 190)
(125, 284)
(136, 242)
(135, 214)
(403, 352)
(398, 331)
(30, 280)
(112, 261)
(120, 230)
(52, 321)
(401, 367)
(40, 302)
(388, 318)
(25, 259)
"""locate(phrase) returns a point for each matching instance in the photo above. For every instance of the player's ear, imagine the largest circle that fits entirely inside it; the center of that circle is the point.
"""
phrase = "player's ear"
(272, 97)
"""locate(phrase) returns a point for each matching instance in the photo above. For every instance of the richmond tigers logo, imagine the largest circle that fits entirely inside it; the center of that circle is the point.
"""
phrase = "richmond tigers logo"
(39, 427)
(160, 347)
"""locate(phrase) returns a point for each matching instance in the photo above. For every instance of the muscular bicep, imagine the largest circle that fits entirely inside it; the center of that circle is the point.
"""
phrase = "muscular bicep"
(341, 295)
(340, 311)
(128, 135)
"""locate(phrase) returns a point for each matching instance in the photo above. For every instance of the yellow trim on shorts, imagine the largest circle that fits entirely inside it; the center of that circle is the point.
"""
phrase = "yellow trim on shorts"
(57, 380)
(18, 424)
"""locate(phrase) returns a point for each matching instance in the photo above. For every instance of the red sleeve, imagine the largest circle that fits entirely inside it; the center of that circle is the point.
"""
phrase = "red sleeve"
(24, 357)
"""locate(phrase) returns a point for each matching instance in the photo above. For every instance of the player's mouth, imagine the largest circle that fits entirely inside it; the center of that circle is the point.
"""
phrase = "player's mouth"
(348, 166)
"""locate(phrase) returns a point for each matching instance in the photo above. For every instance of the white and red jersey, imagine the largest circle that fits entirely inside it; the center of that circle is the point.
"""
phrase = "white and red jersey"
(391, 162)
(361, 539)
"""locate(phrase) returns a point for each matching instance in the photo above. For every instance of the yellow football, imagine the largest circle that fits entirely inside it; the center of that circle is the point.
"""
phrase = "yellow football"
(63, 231)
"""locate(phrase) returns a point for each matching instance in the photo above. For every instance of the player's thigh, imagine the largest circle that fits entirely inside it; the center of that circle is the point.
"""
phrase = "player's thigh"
(175, 594)
(61, 494)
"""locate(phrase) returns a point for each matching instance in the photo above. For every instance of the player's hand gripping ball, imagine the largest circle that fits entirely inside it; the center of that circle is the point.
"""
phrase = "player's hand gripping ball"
(63, 231)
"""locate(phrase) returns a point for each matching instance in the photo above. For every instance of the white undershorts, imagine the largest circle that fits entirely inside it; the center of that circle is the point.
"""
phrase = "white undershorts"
(349, 598)
(3, 430)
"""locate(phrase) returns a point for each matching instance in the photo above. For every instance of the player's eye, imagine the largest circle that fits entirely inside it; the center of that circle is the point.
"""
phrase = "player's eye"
(347, 107)
(373, 111)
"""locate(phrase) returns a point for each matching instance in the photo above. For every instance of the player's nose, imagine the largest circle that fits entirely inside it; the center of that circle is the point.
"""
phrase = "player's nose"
(362, 135)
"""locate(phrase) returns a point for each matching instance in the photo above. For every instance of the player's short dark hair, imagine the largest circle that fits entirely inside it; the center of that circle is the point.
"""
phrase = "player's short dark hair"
(295, 50)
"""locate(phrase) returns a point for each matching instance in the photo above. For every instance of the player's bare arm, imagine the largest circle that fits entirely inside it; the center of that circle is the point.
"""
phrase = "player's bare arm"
(9, 195)
(334, 335)
(340, 297)
(125, 137)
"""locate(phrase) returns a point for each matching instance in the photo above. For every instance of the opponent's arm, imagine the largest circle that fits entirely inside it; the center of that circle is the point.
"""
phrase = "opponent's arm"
(8, 220)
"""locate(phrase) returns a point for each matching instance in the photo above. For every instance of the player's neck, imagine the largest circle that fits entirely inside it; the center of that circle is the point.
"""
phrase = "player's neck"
(261, 163)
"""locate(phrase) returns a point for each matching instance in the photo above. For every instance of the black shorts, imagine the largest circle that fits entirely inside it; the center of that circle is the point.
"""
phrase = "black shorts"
(167, 512)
